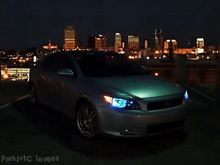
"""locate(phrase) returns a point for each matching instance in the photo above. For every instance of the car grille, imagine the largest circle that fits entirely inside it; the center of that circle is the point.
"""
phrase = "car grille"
(164, 104)
(165, 127)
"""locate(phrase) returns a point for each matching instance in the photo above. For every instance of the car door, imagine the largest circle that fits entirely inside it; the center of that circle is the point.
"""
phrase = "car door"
(61, 89)
(43, 79)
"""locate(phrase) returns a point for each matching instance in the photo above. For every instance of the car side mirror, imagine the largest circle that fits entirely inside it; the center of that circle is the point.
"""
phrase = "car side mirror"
(65, 72)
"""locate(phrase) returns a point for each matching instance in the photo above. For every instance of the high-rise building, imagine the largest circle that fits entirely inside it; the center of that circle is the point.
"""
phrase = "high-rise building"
(133, 43)
(146, 44)
(147, 50)
(118, 42)
(69, 38)
(200, 43)
(159, 40)
(100, 42)
(170, 46)
(123, 45)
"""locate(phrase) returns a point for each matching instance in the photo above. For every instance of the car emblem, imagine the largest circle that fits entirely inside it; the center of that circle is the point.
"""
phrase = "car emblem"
(167, 104)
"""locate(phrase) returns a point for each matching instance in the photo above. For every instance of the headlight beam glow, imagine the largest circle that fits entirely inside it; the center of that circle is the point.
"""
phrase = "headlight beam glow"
(119, 103)
(122, 103)
(186, 96)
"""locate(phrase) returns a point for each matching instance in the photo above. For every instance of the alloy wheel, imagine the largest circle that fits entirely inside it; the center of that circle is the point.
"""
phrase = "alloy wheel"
(86, 119)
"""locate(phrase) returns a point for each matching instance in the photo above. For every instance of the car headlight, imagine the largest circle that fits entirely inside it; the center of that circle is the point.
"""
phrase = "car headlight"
(186, 96)
(119, 103)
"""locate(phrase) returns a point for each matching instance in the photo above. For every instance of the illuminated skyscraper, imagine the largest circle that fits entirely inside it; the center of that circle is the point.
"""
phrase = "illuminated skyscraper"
(118, 42)
(159, 40)
(170, 46)
(69, 38)
(200, 43)
(133, 43)
(100, 42)
(147, 50)
(146, 45)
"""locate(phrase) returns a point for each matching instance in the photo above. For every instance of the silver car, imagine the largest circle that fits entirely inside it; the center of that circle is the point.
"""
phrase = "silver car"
(106, 93)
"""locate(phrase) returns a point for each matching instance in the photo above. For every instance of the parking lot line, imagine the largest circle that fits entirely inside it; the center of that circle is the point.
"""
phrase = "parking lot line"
(9, 104)
(201, 93)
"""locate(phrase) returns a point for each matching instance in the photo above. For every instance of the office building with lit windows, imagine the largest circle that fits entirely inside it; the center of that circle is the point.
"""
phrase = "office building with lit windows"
(159, 42)
(69, 38)
(100, 42)
(118, 42)
(146, 44)
(200, 45)
(133, 43)
(170, 46)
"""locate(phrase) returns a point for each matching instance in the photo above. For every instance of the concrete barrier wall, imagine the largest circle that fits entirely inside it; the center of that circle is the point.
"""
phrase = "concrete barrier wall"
(189, 72)
(181, 69)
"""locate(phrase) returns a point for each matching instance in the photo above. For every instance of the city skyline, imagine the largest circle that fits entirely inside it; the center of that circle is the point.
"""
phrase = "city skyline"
(70, 37)
(32, 23)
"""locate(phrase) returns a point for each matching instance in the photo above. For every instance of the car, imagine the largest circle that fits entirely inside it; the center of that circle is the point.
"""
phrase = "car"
(105, 93)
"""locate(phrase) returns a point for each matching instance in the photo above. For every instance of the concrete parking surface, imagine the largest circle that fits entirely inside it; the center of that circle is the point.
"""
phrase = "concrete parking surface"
(37, 135)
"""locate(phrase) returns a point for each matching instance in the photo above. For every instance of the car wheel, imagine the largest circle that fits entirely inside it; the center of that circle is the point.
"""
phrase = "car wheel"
(33, 95)
(87, 120)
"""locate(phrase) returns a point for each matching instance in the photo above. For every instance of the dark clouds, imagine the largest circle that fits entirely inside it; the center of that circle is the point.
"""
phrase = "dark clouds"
(27, 23)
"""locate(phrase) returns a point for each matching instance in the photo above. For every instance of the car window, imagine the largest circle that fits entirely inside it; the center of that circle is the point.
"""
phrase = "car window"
(55, 62)
(109, 65)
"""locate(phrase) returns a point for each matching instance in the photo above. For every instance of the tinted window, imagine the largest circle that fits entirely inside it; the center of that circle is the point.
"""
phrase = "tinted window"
(55, 62)
(108, 65)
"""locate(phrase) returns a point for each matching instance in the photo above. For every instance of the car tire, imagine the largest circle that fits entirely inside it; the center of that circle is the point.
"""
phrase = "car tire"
(87, 120)
(33, 95)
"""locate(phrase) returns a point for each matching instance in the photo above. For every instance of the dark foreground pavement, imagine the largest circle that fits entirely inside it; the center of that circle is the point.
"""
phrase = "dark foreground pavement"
(10, 91)
(37, 133)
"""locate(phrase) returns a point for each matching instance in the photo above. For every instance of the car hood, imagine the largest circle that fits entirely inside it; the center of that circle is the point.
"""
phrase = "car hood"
(139, 86)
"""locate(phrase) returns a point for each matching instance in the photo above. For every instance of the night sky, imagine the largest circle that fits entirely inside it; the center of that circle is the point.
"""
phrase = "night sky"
(32, 23)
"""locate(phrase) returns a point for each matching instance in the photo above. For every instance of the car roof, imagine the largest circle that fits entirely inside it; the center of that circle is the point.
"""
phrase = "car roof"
(79, 54)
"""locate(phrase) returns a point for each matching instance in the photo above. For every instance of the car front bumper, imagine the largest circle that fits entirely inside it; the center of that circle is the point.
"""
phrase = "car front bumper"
(136, 124)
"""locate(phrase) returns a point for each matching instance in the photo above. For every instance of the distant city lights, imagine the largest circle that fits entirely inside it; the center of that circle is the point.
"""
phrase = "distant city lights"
(156, 74)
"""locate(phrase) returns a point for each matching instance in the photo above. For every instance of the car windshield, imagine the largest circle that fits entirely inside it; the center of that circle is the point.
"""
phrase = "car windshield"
(102, 65)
